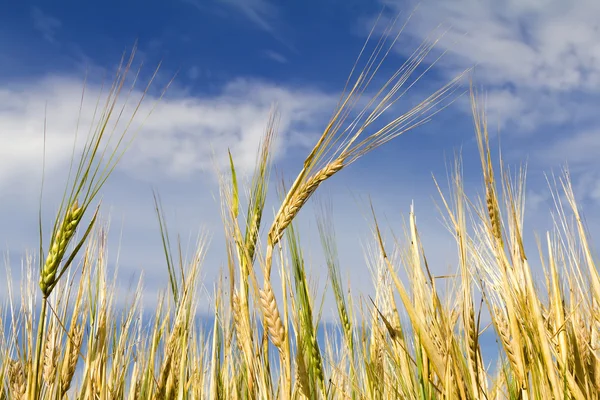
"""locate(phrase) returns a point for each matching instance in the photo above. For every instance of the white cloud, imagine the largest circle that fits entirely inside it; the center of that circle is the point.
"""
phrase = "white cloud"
(538, 44)
(177, 140)
(530, 55)
(183, 133)
(577, 148)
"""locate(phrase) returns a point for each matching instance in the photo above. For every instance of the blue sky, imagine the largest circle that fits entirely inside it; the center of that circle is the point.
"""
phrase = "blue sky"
(538, 62)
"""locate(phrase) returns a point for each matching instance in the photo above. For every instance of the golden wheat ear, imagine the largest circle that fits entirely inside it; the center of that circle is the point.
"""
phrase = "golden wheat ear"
(350, 134)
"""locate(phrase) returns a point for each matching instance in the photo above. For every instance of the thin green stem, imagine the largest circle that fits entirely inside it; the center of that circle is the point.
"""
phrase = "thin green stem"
(33, 386)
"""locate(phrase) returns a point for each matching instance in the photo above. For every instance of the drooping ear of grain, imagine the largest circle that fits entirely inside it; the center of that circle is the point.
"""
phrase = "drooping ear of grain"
(272, 317)
(289, 212)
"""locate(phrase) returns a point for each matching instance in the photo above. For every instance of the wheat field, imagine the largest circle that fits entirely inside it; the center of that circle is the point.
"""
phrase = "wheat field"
(62, 336)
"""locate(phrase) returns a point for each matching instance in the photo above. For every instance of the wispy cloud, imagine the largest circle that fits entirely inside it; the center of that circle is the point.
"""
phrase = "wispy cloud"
(263, 14)
(46, 24)
(194, 72)
(275, 56)
(260, 12)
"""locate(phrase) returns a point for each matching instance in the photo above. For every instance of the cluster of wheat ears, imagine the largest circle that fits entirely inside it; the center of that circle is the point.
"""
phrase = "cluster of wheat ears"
(406, 341)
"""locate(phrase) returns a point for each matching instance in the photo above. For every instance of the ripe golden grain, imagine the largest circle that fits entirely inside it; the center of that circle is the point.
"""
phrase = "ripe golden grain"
(17, 379)
(295, 203)
(272, 316)
(71, 358)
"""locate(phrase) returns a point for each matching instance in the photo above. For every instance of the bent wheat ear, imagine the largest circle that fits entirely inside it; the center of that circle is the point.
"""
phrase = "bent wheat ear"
(300, 197)
(350, 134)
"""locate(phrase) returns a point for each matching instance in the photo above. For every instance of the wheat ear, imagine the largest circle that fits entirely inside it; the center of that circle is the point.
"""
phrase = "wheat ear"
(272, 317)
(71, 358)
(50, 355)
(289, 210)
(16, 378)
(58, 248)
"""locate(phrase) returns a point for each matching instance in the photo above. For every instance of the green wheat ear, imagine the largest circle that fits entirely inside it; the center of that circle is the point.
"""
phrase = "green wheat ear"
(95, 165)
(59, 246)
